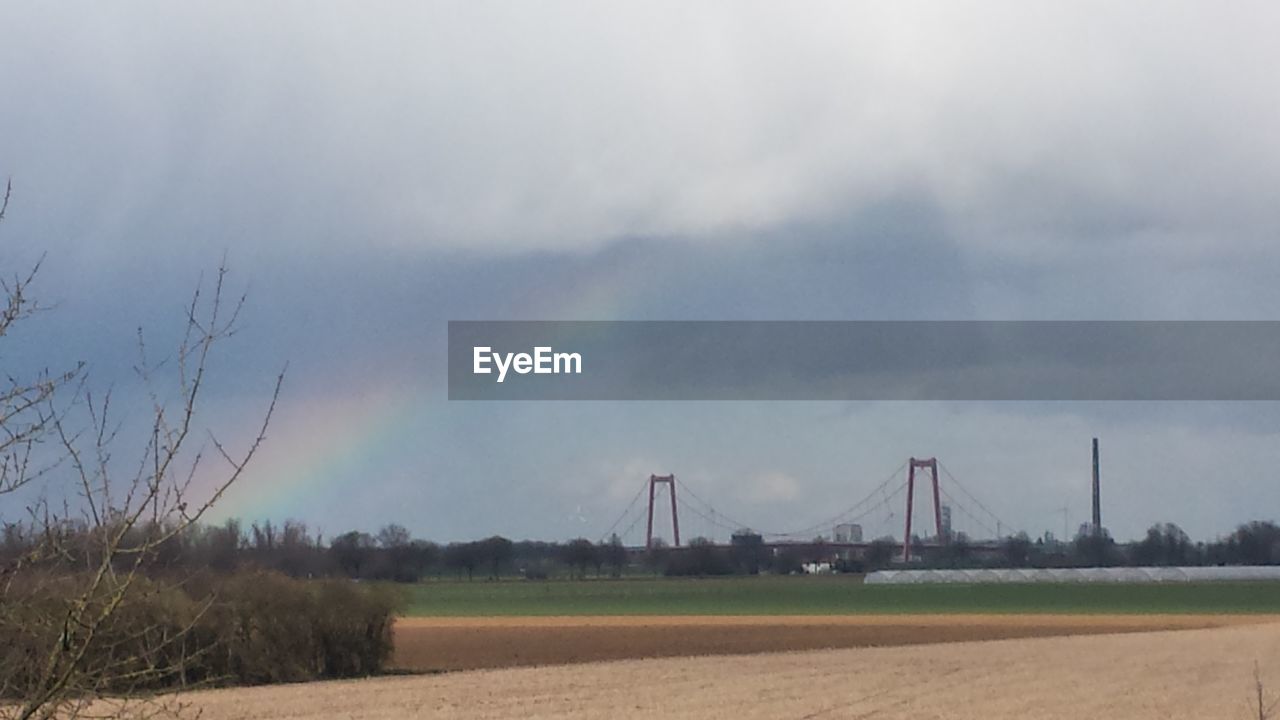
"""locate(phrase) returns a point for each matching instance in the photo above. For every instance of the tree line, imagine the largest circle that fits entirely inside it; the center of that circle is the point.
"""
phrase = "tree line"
(393, 554)
(295, 550)
(1165, 544)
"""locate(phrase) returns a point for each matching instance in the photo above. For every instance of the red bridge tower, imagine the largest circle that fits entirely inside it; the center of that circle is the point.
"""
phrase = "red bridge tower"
(670, 481)
(931, 465)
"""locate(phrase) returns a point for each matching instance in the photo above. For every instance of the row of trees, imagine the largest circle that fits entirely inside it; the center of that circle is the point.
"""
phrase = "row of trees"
(393, 554)
(1165, 544)
(295, 550)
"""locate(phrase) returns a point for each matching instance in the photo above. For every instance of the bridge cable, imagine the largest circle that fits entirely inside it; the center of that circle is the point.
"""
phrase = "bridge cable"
(953, 480)
(625, 512)
(830, 522)
(709, 518)
(956, 504)
(685, 489)
(635, 522)
(843, 515)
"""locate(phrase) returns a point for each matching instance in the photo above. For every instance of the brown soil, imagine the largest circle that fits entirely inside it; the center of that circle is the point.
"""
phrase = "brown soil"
(435, 644)
(1183, 675)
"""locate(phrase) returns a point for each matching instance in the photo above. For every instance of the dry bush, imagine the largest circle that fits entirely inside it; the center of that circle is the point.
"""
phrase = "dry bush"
(140, 647)
(266, 628)
(250, 628)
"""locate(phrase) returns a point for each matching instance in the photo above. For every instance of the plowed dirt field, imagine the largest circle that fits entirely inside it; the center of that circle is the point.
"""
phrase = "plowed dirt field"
(435, 644)
(1166, 675)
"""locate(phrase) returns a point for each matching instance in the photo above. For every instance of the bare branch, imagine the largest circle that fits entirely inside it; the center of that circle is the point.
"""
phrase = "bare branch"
(126, 522)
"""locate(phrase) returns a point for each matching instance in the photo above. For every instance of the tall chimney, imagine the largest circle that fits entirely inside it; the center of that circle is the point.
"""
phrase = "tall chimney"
(1097, 493)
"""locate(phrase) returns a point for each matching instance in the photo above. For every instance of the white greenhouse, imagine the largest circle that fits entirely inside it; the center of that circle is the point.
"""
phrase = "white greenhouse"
(1075, 575)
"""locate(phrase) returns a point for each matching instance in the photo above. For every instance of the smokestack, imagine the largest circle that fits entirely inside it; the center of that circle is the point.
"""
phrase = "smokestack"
(1097, 493)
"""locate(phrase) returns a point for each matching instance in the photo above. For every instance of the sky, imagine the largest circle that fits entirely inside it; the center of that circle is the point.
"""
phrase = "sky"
(371, 171)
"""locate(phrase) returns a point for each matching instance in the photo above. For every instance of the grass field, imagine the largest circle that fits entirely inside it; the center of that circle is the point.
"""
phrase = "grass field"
(823, 595)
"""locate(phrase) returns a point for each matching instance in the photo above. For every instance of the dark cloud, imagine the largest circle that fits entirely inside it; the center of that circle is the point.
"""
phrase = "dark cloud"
(373, 175)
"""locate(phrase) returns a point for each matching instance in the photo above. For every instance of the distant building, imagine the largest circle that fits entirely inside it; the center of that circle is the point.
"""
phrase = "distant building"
(946, 521)
(848, 533)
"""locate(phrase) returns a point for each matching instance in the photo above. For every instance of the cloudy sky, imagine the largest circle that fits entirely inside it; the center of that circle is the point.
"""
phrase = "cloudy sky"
(372, 171)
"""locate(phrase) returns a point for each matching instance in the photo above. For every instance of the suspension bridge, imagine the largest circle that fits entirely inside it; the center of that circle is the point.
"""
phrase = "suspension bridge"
(957, 516)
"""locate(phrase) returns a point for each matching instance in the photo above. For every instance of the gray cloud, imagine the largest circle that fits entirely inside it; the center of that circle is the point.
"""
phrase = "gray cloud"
(376, 171)
(509, 128)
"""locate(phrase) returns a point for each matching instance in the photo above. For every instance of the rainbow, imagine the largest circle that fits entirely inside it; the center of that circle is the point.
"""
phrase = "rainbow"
(321, 443)
(314, 446)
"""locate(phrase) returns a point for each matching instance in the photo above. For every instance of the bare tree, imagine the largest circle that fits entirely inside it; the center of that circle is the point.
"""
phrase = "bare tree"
(579, 554)
(25, 413)
(67, 602)
(614, 554)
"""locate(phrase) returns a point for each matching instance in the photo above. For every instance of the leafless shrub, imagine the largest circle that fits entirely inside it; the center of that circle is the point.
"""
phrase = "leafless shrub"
(250, 628)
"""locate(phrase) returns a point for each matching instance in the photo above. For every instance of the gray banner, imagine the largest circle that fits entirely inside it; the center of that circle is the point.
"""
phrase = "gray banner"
(1017, 360)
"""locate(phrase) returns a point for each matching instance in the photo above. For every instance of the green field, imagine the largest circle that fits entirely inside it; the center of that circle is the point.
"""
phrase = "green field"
(829, 595)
